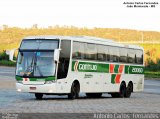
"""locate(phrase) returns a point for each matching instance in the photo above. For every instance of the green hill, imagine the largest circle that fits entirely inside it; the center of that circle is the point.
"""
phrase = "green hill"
(10, 37)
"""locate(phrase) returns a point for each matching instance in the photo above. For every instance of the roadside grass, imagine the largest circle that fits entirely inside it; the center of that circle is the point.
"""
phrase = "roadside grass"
(152, 75)
(7, 63)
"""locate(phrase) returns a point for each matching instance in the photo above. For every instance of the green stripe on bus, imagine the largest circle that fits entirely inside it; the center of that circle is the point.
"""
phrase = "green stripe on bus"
(116, 67)
(90, 67)
(50, 78)
(18, 78)
(136, 70)
(104, 68)
(126, 69)
(113, 76)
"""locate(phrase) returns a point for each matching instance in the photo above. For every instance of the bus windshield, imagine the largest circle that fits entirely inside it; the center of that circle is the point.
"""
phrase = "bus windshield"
(35, 64)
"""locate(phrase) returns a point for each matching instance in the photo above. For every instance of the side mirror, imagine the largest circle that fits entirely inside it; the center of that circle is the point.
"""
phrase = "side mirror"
(11, 54)
(56, 54)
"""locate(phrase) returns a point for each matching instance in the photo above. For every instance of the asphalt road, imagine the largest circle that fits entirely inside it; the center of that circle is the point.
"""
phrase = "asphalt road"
(7, 73)
(152, 86)
(11, 101)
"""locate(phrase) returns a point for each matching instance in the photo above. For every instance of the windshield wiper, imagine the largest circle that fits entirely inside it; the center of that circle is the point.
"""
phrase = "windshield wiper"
(30, 68)
(35, 65)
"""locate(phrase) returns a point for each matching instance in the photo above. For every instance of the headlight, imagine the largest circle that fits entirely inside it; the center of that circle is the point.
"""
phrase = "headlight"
(19, 90)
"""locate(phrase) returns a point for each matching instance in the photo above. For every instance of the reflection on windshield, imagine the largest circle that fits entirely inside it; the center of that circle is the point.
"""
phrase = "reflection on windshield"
(35, 64)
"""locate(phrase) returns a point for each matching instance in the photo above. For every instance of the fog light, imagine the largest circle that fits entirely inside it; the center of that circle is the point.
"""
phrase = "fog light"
(19, 90)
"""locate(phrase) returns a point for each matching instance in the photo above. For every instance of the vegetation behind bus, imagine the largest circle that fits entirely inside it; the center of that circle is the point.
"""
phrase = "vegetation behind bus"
(152, 69)
(10, 37)
(4, 60)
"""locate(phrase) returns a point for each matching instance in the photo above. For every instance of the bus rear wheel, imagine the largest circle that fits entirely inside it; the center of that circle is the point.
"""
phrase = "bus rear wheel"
(122, 92)
(129, 90)
(75, 89)
(38, 96)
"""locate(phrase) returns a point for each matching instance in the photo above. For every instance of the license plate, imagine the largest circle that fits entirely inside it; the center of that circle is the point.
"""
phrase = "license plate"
(32, 88)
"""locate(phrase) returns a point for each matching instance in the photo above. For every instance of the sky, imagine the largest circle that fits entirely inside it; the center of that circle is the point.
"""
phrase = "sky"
(79, 13)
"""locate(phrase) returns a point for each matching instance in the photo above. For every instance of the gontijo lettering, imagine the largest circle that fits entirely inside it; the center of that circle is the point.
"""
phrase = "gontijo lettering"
(87, 67)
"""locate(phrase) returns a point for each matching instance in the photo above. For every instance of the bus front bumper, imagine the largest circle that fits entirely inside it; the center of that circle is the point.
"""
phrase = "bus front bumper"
(44, 88)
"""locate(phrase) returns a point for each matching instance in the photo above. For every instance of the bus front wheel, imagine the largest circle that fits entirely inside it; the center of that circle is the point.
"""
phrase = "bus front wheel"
(38, 96)
(75, 88)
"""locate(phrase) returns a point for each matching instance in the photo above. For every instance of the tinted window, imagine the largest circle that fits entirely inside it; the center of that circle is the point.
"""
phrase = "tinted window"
(39, 44)
(139, 56)
(131, 56)
(102, 52)
(114, 54)
(123, 55)
(78, 50)
(91, 51)
(110, 53)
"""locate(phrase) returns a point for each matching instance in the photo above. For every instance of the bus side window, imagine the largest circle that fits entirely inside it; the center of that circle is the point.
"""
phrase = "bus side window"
(76, 47)
(115, 54)
(101, 53)
(110, 53)
(106, 51)
(139, 56)
(78, 50)
(91, 51)
(131, 56)
(123, 55)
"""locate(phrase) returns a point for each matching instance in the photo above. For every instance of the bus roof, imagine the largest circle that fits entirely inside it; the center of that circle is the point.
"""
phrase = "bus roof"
(87, 39)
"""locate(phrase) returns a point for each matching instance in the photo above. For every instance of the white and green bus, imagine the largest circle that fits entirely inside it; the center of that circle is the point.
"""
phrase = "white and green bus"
(69, 65)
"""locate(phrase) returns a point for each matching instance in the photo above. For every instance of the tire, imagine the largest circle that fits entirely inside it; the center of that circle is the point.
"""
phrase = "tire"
(129, 90)
(122, 92)
(74, 91)
(38, 96)
(94, 95)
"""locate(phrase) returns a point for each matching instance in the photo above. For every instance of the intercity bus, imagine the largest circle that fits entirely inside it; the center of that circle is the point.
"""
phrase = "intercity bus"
(69, 65)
